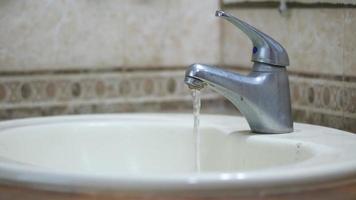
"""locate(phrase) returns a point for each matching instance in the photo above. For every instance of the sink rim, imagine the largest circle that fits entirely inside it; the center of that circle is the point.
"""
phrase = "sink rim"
(259, 179)
(60, 181)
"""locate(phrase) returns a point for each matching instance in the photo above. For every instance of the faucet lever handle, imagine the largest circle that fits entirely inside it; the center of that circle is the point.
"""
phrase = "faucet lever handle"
(265, 49)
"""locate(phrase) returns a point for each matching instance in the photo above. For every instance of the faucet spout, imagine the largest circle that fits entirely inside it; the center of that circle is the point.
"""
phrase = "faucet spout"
(200, 75)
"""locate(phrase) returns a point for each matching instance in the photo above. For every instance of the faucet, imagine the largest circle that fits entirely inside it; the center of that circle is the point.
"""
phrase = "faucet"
(263, 96)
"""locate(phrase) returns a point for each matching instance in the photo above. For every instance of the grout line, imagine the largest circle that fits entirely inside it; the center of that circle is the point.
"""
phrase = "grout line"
(118, 69)
(342, 77)
(328, 112)
(300, 74)
(290, 5)
(343, 72)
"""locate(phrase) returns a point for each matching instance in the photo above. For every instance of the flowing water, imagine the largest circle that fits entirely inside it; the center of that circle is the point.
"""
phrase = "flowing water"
(196, 112)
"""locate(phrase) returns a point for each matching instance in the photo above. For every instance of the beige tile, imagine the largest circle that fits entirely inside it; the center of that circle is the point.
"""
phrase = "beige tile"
(312, 37)
(316, 40)
(60, 34)
(172, 33)
(350, 42)
(201, 32)
(41, 34)
(144, 29)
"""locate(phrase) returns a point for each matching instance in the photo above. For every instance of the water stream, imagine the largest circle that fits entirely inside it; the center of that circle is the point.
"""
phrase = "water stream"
(196, 112)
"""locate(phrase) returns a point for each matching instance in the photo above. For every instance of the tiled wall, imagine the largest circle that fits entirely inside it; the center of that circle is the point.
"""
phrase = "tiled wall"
(74, 57)
(109, 91)
(61, 35)
(320, 40)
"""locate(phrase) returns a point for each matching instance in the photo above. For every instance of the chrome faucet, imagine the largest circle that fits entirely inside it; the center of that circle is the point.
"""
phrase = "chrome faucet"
(263, 96)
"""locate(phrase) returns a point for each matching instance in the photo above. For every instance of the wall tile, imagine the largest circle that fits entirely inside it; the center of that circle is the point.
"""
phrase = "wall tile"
(349, 100)
(318, 93)
(48, 35)
(323, 101)
(350, 42)
(37, 35)
(144, 31)
(175, 33)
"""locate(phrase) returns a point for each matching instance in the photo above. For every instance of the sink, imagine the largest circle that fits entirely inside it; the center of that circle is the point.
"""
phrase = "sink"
(156, 152)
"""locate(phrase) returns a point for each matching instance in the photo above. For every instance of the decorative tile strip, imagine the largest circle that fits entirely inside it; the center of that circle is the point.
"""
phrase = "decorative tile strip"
(329, 97)
(27, 91)
(323, 100)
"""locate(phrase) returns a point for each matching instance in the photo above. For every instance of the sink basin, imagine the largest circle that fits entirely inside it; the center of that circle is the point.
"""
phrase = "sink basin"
(156, 152)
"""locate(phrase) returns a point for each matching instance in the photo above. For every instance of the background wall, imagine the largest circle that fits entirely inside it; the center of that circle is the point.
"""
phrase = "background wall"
(82, 56)
(73, 57)
(59, 35)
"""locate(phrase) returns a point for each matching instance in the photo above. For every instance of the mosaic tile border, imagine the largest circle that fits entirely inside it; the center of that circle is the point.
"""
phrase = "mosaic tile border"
(325, 96)
(77, 92)
(28, 91)
(324, 100)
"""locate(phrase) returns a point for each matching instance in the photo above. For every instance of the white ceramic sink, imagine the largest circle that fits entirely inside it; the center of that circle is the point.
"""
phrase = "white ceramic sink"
(140, 152)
